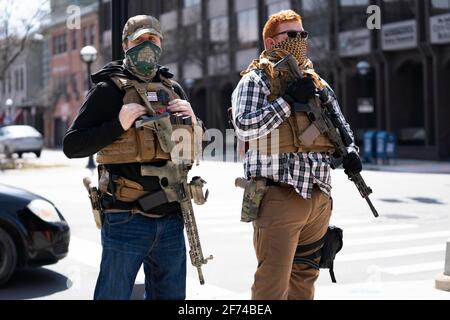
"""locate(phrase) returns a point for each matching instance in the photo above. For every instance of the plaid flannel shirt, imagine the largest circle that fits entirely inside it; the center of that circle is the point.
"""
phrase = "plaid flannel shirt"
(254, 117)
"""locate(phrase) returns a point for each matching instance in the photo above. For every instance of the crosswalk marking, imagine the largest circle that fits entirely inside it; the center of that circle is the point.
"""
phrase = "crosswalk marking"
(413, 268)
(347, 231)
(379, 228)
(367, 255)
(396, 238)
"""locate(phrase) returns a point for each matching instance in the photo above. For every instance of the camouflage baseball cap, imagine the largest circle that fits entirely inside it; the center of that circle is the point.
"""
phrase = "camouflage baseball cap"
(138, 25)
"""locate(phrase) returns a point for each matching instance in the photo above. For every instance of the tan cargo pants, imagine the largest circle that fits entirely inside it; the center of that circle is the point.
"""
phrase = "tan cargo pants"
(286, 220)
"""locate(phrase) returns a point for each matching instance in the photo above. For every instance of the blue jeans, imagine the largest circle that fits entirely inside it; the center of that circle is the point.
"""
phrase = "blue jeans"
(132, 240)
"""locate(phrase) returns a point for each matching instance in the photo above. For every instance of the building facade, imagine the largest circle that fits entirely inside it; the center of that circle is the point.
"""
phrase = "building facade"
(23, 87)
(65, 74)
(394, 78)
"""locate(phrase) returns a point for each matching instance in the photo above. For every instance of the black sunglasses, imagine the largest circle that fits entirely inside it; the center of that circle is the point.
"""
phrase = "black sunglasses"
(294, 34)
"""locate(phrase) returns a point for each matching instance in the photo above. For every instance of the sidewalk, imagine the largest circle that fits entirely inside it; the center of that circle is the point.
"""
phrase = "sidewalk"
(411, 166)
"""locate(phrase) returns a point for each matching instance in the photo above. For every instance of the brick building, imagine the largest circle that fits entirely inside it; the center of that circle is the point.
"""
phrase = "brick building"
(65, 74)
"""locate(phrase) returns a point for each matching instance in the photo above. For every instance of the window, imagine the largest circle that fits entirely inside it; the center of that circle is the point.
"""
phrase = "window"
(74, 39)
(85, 36)
(16, 80)
(21, 81)
(191, 3)
(64, 42)
(219, 33)
(92, 34)
(440, 6)
(74, 86)
(168, 5)
(9, 82)
(54, 48)
(353, 14)
(314, 7)
(353, 3)
(248, 26)
(278, 6)
(59, 43)
(398, 10)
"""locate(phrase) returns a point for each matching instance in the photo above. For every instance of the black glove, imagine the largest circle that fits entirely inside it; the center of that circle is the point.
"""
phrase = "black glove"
(300, 90)
(352, 163)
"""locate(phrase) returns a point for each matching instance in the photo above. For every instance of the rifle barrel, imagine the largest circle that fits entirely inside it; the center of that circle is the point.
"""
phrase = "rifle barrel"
(374, 211)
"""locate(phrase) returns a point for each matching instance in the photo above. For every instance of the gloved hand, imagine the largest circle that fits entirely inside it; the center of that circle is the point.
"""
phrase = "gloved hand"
(300, 90)
(352, 163)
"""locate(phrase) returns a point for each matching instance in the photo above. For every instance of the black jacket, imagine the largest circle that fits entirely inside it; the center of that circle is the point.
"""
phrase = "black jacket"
(97, 125)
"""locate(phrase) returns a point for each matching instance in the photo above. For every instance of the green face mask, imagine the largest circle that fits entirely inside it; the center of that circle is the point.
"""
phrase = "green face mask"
(142, 60)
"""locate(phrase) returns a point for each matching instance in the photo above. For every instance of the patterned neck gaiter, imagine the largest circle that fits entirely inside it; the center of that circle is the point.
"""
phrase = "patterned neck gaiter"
(142, 60)
(298, 47)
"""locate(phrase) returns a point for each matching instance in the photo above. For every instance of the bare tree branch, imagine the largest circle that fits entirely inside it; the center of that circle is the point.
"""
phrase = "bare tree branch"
(11, 40)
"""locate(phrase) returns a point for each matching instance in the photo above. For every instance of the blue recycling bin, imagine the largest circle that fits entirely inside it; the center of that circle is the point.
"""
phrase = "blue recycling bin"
(381, 143)
(391, 146)
(369, 153)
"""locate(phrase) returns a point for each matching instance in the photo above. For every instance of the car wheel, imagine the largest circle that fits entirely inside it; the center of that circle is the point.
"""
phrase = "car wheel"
(38, 153)
(20, 154)
(8, 256)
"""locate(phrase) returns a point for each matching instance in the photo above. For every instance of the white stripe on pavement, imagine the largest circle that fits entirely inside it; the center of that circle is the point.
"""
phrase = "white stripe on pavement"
(413, 268)
(396, 238)
(341, 222)
(347, 231)
(367, 255)
(379, 228)
(352, 230)
(234, 229)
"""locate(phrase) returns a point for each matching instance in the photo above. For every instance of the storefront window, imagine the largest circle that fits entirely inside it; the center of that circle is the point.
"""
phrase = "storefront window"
(218, 33)
(398, 10)
(278, 6)
(353, 14)
(191, 3)
(440, 6)
(248, 26)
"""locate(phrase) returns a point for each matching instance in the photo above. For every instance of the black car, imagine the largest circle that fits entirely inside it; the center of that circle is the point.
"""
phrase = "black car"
(32, 231)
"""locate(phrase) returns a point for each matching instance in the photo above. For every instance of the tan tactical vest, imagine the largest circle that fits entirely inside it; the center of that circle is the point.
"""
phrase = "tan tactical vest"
(142, 145)
(289, 131)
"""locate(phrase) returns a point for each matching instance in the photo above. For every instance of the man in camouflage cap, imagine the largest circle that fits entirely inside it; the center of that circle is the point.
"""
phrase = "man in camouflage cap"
(133, 232)
(139, 25)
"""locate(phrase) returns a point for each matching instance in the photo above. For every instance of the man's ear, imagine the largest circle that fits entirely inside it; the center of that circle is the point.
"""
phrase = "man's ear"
(125, 45)
(269, 43)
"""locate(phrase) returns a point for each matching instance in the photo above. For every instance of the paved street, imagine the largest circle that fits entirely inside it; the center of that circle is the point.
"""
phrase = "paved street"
(396, 256)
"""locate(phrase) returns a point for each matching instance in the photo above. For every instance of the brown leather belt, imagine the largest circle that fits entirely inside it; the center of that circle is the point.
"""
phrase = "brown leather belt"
(271, 182)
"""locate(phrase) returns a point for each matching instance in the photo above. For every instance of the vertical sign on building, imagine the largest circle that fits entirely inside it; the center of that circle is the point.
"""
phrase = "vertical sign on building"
(440, 29)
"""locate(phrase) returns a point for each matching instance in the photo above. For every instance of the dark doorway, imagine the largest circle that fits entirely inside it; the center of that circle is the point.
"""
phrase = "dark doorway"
(360, 108)
(444, 113)
(407, 104)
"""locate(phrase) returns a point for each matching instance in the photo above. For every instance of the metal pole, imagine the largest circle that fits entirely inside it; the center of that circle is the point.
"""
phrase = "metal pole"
(91, 163)
(119, 16)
